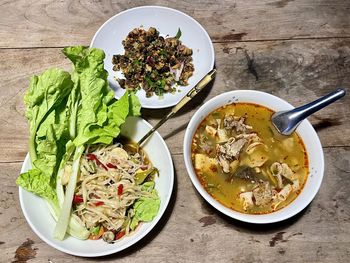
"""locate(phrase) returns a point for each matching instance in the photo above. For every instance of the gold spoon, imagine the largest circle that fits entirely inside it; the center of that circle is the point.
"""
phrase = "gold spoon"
(193, 92)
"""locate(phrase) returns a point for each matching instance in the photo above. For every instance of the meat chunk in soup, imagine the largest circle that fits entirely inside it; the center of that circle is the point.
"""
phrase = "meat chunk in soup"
(248, 167)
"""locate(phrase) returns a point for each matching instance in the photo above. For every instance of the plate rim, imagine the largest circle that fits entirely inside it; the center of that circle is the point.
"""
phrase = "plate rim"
(153, 223)
(212, 63)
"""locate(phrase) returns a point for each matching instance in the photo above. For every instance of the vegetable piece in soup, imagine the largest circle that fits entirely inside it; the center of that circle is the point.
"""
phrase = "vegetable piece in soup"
(244, 163)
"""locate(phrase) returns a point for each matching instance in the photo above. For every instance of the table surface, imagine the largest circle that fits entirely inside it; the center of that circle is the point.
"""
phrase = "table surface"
(300, 50)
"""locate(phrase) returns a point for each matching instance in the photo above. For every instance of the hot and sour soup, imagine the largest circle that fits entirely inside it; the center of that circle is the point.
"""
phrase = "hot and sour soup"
(244, 163)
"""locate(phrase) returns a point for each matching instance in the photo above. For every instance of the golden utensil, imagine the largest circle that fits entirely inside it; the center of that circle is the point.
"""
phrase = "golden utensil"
(193, 92)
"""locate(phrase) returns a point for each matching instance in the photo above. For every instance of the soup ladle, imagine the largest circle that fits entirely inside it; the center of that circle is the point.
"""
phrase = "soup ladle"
(287, 121)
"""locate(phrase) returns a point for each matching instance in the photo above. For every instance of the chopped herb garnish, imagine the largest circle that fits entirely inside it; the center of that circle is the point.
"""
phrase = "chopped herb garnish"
(178, 34)
(137, 62)
(162, 52)
(155, 63)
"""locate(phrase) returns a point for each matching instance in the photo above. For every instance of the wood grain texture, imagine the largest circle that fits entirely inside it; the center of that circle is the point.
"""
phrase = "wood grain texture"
(295, 49)
(48, 23)
(192, 231)
(293, 70)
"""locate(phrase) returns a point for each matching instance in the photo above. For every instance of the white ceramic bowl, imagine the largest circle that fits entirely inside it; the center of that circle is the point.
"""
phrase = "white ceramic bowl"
(306, 132)
(40, 220)
(167, 21)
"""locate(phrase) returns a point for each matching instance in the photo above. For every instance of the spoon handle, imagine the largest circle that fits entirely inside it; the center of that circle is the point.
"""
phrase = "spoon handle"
(310, 108)
(193, 92)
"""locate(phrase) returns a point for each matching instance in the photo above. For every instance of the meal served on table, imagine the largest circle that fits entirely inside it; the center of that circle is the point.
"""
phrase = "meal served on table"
(154, 63)
(115, 190)
(246, 165)
(96, 184)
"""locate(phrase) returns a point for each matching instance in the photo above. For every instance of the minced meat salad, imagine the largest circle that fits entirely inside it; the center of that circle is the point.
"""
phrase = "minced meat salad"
(154, 63)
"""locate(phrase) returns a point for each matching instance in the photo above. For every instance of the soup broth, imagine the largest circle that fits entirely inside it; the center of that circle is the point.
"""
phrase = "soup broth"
(243, 162)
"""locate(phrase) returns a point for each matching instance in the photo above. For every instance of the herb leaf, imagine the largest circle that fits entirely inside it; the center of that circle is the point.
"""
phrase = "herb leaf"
(178, 34)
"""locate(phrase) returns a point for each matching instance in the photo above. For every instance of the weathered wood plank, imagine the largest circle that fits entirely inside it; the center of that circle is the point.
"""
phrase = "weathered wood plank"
(192, 231)
(293, 70)
(60, 23)
(298, 72)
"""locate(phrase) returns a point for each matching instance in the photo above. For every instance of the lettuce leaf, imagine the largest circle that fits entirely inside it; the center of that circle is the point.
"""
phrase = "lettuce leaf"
(45, 93)
(37, 182)
(95, 116)
(100, 115)
(66, 113)
(145, 208)
(46, 115)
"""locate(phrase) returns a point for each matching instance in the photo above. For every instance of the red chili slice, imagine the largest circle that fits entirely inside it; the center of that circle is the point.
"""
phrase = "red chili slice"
(150, 60)
(144, 167)
(120, 189)
(111, 165)
(119, 235)
(99, 203)
(93, 157)
(77, 199)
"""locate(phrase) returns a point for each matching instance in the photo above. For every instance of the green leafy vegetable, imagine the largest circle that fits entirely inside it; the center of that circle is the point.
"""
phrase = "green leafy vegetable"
(37, 182)
(66, 113)
(46, 112)
(94, 115)
(94, 230)
(145, 208)
(45, 93)
(46, 119)
(178, 34)
(141, 176)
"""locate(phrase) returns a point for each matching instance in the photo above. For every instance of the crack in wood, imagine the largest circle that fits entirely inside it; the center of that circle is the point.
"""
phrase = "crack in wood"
(214, 41)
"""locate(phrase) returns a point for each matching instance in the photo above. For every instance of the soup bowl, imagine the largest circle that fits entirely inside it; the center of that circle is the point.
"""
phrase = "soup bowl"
(306, 132)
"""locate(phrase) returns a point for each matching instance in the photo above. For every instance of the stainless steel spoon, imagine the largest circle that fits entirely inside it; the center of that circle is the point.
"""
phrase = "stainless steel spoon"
(287, 121)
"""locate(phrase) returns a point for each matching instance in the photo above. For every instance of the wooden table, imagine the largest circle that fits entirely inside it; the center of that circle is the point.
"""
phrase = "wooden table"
(299, 49)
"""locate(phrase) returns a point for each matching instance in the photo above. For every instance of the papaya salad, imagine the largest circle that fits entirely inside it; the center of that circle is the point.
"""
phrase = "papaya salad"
(96, 183)
(116, 184)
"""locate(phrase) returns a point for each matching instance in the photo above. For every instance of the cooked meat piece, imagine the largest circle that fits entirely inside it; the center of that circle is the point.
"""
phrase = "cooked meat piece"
(182, 49)
(284, 193)
(153, 63)
(262, 194)
(295, 185)
(237, 123)
(231, 149)
(221, 133)
(286, 171)
(252, 146)
(280, 170)
(224, 163)
(247, 198)
(253, 137)
(228, 152)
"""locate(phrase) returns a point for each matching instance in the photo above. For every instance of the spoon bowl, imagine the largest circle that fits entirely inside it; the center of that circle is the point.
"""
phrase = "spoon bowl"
(287, 121)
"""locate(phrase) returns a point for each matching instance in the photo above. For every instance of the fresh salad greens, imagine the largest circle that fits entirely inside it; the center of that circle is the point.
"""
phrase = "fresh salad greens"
(67, 113)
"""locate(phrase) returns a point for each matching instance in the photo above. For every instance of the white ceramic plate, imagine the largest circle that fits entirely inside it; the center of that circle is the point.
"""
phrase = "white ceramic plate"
(167, 21)
(306, 132)
(40, 220)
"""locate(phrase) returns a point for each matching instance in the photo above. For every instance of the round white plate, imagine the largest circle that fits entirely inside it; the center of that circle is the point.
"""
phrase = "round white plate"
(167, 21)
(42, 223)
(306, 132)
